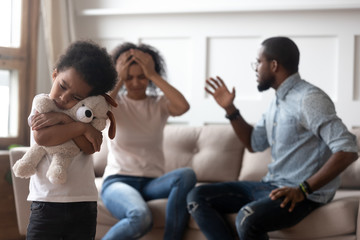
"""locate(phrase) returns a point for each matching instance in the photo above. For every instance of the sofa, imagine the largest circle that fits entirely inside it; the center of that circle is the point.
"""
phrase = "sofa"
(216, 155)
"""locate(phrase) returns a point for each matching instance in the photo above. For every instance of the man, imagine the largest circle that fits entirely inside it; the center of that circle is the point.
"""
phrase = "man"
(310, 147)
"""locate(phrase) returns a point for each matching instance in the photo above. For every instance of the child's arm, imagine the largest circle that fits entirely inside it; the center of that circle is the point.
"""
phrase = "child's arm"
(84, 144)
(52, 129)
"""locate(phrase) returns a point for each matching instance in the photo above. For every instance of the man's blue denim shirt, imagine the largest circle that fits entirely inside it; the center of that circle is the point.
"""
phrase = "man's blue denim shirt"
(303, 131)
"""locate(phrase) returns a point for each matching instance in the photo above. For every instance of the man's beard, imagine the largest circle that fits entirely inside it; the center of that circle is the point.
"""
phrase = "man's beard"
(266, 84)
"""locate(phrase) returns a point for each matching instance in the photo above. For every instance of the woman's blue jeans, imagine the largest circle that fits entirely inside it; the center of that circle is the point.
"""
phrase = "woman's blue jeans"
(125, 197)
(257, 214)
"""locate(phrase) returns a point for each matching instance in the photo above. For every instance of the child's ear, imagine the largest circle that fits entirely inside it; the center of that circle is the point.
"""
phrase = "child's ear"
(54, 74)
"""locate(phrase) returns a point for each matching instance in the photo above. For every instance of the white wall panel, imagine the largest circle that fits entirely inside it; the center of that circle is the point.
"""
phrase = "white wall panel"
(212, 38)
(230, 58)
(318, 62)
(178, 58)
(357, 70)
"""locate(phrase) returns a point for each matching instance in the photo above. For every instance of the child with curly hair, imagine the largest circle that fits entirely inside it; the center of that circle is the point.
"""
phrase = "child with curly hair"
(69, 210)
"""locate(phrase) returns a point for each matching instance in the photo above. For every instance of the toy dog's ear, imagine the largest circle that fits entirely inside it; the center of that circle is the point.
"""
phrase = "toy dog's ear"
(110, 100)
(112, 128)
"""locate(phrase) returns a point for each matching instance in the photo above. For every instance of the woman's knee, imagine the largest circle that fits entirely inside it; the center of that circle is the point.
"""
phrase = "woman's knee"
(141, 218)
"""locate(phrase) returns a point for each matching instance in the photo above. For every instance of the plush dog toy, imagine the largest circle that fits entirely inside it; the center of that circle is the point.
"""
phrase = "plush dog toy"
(94, 110)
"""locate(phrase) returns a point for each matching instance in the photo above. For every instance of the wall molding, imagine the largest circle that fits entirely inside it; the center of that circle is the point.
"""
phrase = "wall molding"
(202, 6)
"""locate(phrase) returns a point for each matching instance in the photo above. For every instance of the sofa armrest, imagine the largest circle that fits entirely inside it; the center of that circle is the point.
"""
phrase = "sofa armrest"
(358, 221)
(21, 191)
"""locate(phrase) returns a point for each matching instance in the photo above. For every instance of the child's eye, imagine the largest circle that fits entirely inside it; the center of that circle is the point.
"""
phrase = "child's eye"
(77, 98)
(62, 87)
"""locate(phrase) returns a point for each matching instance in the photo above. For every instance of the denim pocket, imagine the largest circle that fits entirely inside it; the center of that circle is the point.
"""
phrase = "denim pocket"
(37, 206)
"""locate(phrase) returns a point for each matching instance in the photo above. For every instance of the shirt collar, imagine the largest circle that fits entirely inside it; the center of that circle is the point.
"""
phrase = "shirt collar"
(288, 84)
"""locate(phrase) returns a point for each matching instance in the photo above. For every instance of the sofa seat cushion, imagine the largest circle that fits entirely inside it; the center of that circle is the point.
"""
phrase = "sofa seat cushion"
(336, 218)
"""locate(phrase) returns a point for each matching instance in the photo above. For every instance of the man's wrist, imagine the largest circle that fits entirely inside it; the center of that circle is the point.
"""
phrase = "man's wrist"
(234, 115)
(305, 188)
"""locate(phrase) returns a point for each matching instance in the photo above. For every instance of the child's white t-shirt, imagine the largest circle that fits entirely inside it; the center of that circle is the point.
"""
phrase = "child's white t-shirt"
(137, 148)
(79, 187)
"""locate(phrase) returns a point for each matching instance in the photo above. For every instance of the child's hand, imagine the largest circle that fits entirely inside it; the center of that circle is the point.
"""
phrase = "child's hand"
(41, 120)
(94, 136)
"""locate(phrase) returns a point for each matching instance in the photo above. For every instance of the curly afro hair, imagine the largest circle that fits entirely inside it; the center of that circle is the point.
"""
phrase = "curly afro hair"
(159, 61)
(92, 62)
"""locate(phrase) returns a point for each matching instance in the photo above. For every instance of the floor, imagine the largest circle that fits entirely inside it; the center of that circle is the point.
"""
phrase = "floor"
(8, 222)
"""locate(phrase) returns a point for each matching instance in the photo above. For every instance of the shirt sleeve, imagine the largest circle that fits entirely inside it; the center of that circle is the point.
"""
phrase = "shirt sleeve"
(259, 140)
(319, 116)
(164, 103)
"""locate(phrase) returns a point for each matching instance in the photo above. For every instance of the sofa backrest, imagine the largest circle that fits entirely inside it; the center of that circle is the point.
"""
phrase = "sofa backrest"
(350, 178)
(213, 151)
(216, 154)
(254, 165)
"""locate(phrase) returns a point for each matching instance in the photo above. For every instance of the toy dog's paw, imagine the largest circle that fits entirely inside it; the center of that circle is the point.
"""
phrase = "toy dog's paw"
(23, 169)
(56, 175)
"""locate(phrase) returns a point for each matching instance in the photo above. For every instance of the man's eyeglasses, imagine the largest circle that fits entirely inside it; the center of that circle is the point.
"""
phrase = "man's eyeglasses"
(254, 65)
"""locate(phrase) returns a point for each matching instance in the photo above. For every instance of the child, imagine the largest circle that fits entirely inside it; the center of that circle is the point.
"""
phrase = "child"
(69, 210)
(135, 171)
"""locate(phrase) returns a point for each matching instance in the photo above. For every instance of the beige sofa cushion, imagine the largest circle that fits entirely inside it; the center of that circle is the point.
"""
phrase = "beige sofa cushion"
(337, 218)
(255, 165)
(323, 222)
(214, 152)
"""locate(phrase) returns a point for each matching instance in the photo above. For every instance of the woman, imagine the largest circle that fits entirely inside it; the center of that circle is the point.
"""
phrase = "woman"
(135, 170)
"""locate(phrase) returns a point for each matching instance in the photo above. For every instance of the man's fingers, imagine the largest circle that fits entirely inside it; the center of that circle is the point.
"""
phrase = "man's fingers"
(283, 204)
(210, 84)
(292, 206)
(208, 91)
(220, 80)
(216, 82)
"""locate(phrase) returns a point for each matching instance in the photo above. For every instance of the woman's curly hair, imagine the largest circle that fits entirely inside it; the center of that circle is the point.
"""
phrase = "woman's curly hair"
(160, 66)
(92, 62)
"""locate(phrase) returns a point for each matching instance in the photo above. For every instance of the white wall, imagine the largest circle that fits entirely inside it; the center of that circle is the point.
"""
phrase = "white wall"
(207, 38)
